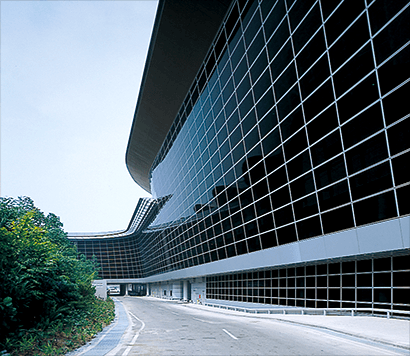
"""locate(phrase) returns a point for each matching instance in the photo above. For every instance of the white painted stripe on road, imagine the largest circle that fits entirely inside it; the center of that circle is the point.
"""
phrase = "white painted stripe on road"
(175, 313)
(128, 349)
(232, 336)
(209, 322)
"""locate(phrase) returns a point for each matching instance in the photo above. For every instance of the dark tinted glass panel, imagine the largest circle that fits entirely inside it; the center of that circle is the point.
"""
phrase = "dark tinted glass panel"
(277, 179)
(318, 100)
(299, 11)
(371, 181)
(268, 240)
(314, 77)
(302, 186)
(274, 17)
(240, 71)
(342, 18)
(357, 67)
(349, 43)
(299, 165)
(268, 123)
(253, 244)
(338, 219)
(330, 172)
(258, 66)
(367, 153)
(256, 47)
(246, 105)
(280, 197)
(382, 11)
(233, 17)
(311, 52)
(295, 144)
(285, 81)
(362, 126)
(278, 39)
(283, 216)
(307, 28)
(271, 141)
(374, 209)
(367, 92)
(401, 168)
(333, 196)
(274, 160)
(305, 207)
(382, 264)
(403, 199)
(309, 228)
(289, 102)
(286, 234)
(326, 148)
(388, 77)
(261, 85)
(281, 61)
(254, 25)
(251, 139)
(323, 124)
(249, 122)
(399, 136)
(364, 266)
(391, 38)
(266, 222)
(227, 91)
(329, 6)
(265, 104)
(243, 88)
(395, 107)
(292, 123)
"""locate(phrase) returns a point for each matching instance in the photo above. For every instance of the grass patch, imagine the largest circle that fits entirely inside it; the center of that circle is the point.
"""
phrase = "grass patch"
(61, 335)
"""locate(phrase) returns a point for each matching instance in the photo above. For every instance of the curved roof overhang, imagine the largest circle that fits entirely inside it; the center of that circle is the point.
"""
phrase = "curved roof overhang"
(182, 34)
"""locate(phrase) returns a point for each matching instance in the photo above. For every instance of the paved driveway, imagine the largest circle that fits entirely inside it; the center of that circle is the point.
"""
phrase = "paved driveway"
(159, 327)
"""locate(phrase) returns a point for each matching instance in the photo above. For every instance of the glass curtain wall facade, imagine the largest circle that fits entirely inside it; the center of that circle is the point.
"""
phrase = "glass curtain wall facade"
(369, 283)
(295, 127)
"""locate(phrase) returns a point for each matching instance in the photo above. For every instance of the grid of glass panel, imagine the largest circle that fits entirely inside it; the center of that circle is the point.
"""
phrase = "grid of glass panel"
(117, 257)
(294, 127)
(117, 253)
(374, 283)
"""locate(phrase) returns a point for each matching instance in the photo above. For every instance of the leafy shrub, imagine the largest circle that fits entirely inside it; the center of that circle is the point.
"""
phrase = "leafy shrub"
(42, 280)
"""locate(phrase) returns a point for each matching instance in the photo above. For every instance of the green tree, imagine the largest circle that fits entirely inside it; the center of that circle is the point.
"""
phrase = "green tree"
(41, 277)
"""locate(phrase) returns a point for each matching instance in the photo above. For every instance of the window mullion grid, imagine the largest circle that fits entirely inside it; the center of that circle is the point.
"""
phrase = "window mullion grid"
(283, 151)
(382, 108)
(338, 118)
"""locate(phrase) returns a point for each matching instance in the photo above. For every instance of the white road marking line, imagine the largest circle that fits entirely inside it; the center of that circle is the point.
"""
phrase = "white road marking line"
(128, 349)
(233, 337)
(207, 321)
(175, 313)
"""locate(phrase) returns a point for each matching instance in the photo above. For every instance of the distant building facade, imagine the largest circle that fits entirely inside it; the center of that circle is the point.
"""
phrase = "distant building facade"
(274, 138)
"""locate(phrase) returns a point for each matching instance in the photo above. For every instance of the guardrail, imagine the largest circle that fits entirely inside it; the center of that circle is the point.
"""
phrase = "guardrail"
(317, 311)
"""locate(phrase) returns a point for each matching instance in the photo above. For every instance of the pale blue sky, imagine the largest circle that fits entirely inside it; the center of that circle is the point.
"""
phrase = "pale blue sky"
(70, 77)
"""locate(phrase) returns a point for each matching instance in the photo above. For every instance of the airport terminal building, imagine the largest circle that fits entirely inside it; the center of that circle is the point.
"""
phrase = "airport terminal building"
(273, 136)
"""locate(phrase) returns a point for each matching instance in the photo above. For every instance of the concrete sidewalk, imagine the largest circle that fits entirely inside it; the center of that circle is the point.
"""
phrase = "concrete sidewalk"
(393, 332)
(107, 339)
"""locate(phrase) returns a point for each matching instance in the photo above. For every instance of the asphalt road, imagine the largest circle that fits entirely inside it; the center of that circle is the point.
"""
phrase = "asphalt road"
(169, 328)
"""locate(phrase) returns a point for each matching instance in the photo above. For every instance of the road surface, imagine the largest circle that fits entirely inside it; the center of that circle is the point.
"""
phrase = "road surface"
(171, 328)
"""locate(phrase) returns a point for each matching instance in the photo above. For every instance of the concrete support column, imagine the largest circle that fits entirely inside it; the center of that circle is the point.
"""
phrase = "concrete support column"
(185, 290)
(148, 289)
